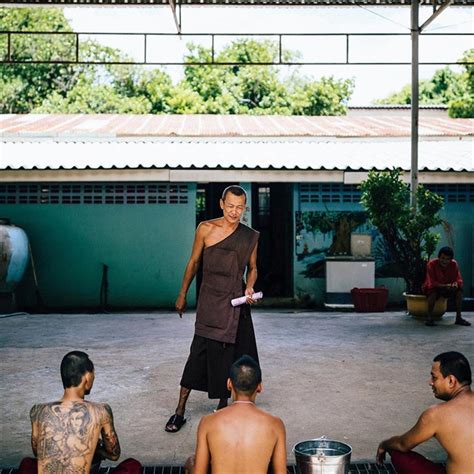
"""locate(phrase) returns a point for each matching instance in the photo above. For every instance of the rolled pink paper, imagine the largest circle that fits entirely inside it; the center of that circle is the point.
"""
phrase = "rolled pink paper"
(243, 299)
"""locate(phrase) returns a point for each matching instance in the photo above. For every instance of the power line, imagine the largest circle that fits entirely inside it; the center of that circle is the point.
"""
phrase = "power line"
(449, 26)
(384, 17)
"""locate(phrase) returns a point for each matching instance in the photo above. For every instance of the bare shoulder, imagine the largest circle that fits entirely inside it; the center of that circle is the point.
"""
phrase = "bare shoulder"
(433, 413)
(38, 410)
(278, 422)
(105, 409)
(210, 224)
(205, 228)
(100, 411)
(273, 420)
(207, 421)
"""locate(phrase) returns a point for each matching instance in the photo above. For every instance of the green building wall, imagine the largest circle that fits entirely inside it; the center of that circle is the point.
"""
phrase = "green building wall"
(310, 289)
(145, 246)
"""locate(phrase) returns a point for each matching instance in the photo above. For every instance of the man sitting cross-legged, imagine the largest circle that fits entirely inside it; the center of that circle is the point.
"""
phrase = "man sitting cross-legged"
(451, 423)
(240, 438)
(72, 435)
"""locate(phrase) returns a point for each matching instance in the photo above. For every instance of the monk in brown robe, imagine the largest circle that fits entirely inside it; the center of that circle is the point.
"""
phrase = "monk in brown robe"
(223, 333)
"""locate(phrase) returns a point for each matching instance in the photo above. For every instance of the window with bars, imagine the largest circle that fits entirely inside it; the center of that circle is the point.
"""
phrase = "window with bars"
(329, 192)
(103, 193)
(453, 192)
(338, 192)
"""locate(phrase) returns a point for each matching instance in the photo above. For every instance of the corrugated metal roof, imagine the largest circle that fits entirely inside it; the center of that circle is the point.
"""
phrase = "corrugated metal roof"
(310, 154)
(109, 126)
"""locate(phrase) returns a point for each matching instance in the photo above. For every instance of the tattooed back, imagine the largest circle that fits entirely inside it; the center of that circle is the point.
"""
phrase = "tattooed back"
(65, 435)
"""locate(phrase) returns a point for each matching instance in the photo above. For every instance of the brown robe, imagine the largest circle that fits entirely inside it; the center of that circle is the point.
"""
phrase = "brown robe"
(223, 264)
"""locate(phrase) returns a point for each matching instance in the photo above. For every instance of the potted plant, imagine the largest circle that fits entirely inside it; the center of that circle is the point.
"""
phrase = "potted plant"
(407, 230)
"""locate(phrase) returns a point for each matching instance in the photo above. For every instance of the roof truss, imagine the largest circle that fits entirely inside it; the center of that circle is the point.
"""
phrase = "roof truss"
(267, 3)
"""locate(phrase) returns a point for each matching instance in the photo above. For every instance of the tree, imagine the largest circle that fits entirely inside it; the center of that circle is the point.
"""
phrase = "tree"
(328, 96)
(260, 89)
(456, 90)
(112, 88)
(408, 234)
(25, 86)
(463, 105)
(239, 88)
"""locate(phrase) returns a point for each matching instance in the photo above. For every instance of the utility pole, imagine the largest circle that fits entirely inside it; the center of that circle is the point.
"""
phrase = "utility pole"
(415, 33)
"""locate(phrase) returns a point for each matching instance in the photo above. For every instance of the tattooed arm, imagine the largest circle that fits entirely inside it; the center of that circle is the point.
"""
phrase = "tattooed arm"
(34, 413)
(110, 446)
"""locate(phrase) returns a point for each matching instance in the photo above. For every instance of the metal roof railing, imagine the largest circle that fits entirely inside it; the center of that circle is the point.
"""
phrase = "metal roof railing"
(77, 40)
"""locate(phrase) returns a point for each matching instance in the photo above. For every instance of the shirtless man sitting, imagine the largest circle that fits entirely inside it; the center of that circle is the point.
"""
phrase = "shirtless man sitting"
(451, 423)
(72, 435)
(240, 438)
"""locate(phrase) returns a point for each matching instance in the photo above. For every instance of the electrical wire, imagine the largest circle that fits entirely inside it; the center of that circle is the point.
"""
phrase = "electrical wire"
(384, 17)
(449, 26)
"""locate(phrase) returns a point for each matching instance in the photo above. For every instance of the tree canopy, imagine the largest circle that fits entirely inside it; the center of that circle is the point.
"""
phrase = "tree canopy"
(456, 90)
(109, 88)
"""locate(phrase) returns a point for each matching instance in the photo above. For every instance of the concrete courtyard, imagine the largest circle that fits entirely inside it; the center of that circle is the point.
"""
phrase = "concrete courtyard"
(353, 377)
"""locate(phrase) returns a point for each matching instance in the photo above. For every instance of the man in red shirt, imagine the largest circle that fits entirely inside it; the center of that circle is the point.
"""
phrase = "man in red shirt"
(443, 279)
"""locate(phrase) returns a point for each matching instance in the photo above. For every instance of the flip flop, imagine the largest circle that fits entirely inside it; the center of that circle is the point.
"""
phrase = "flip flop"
(176, 421)
(462, 322)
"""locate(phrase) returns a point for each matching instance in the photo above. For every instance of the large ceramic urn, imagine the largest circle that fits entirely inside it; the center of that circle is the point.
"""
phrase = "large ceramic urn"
(14, 255)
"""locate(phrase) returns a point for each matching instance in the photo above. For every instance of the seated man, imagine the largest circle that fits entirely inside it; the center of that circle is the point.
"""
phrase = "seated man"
(443, 279)
(241, 437)
(451, 423)
(71, 435)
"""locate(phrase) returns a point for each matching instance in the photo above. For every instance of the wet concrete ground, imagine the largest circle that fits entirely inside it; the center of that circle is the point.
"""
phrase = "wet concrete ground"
(357, 378)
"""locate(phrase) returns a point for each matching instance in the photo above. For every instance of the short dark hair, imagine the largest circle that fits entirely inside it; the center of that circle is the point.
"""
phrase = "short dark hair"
(245, 375)
(74, 365)
(446, 251)
(235, 190)
(454, 363)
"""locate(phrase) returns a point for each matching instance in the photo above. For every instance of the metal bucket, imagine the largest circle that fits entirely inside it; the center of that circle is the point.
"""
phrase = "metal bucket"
(322, 456)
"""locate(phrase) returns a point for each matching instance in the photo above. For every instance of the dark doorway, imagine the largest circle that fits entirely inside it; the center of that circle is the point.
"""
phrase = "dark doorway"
(272, 217)
(207, 201)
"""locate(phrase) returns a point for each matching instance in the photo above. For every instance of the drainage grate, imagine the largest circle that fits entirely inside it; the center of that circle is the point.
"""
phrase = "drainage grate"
(354, 468)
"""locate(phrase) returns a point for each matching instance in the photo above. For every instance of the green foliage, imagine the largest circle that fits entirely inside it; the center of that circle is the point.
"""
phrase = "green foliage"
(25, 86)
(112, 88)
(463, 106)
(407, 232)
(456, 90)
(87, 98)
(326, 97)
(258, 90)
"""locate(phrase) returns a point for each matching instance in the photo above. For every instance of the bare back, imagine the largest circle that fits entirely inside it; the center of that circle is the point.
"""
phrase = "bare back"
(65, 435)
(455, 432)
(244, 439)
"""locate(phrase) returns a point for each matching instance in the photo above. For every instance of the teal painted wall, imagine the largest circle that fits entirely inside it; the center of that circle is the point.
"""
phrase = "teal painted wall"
(146, 247)
(311, 290)
(460, 217)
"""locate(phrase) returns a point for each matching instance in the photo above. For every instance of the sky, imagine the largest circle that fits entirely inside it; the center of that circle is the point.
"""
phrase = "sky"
(371, 82)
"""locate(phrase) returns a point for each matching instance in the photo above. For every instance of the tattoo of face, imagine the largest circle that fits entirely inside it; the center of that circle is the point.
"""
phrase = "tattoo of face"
(67, 435)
